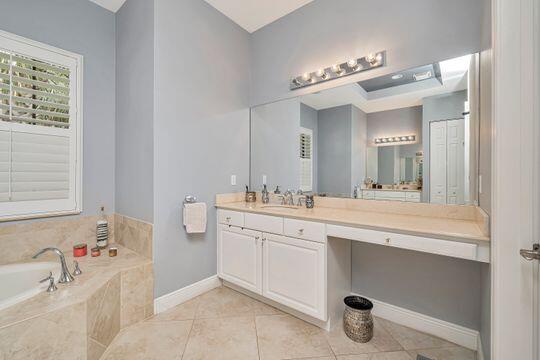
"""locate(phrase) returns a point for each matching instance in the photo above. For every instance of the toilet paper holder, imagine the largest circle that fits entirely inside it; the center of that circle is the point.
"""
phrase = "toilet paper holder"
(190, 199)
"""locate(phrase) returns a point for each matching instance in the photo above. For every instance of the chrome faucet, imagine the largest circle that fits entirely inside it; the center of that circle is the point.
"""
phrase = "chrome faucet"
(65, 276)
(288, 198)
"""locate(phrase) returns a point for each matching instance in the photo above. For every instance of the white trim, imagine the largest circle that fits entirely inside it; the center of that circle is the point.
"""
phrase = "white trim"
(54, 55)
(184, 294)
(445, 330)
(480, 351)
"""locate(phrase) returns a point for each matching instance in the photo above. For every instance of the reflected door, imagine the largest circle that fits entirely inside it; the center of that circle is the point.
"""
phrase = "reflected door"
(437, 162)
(455, 167)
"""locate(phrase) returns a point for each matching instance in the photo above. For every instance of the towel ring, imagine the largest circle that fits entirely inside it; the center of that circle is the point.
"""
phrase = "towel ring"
(190, 199)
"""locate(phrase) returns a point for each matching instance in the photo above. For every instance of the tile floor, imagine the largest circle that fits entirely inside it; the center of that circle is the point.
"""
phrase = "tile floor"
(224, 324)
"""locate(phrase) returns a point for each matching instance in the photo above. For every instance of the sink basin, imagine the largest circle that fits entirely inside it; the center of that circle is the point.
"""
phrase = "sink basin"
(279, 207)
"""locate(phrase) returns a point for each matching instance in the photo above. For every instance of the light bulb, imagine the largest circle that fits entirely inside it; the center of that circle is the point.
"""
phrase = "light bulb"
(384, 140)
(371, 59)
(306, 77)
(352, 63)
(377, 141)
(321, 73)
(378, 58)
(411, 137)
(403, 138)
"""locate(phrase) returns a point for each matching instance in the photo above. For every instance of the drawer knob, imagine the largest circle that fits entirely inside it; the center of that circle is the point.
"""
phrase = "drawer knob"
(387, 240)
(300, 231)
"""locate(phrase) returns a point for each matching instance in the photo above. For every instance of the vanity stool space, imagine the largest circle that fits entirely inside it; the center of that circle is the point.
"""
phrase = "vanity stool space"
(304, 266)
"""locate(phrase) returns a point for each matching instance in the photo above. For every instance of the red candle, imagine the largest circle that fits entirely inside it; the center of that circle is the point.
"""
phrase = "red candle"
(80, 250)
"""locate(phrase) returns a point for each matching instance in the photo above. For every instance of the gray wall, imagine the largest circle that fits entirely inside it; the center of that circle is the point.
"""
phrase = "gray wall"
(358, 146)
(442, 287)
(335, 150)
(439, 107)
(309, 120)
(325, 32)
(89, 30)
(274, 145)
(134, 190)
(194, 42)
(404, 121)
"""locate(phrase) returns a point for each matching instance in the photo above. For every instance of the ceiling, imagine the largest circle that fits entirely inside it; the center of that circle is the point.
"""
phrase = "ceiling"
(112, 5)
(249, 14)
(254, 14)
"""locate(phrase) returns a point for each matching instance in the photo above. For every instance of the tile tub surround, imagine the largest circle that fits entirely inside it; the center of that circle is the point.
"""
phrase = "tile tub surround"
(105, 297)
(444, 221)
(225, 324)
(134, 234)
(19, 241)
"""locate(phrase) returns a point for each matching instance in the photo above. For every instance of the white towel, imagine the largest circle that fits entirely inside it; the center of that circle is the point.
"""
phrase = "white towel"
(195, 217)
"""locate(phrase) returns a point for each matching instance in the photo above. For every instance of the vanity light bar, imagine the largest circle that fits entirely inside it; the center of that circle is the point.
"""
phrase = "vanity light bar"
(353, 66)
(395, 139)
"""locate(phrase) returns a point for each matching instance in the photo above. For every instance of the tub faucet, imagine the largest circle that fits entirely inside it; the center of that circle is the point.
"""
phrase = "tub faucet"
(66, 276)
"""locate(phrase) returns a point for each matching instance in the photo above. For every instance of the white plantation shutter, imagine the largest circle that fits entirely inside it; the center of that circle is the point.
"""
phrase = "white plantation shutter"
(306, 159)
(40, 129)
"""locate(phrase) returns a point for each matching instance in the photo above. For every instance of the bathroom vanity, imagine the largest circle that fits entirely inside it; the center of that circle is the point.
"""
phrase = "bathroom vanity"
(301, 258)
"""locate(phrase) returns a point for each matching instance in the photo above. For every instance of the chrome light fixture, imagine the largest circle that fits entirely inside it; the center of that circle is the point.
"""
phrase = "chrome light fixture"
(395, 139)
(335, 71)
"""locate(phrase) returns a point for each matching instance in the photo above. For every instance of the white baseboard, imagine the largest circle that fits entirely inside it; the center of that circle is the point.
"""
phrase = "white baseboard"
(184, 294)
(450, 332)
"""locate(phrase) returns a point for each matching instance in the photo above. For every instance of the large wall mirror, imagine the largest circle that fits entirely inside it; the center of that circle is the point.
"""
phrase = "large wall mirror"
(408, 136)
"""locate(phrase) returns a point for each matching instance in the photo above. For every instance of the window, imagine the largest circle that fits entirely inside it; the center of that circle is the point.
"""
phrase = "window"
(306, 160)
(40, 129)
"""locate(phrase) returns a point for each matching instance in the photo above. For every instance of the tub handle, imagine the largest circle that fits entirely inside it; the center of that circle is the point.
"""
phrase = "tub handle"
(52, 287)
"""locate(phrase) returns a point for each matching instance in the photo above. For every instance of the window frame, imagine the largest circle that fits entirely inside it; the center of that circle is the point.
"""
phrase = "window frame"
(309, 132)
(48, 208)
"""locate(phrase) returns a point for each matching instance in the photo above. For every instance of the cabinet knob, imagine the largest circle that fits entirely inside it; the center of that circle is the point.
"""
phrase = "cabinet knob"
(300, 231)
(228, 218)
(387, 240)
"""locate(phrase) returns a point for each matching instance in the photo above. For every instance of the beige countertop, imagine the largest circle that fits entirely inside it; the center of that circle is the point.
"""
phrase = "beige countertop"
(96, 272)
(421, 225)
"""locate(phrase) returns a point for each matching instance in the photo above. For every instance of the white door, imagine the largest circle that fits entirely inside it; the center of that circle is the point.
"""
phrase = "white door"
(294, 274)
(455, 161)
(239, 257)
(516, 160)
(437, 162)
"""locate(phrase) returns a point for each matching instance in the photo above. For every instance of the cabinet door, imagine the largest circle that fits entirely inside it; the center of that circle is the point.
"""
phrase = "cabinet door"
(239, 257)
(294, 274)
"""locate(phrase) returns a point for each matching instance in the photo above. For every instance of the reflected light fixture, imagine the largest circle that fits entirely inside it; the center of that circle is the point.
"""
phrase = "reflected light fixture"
(335, 71)
(395, 139)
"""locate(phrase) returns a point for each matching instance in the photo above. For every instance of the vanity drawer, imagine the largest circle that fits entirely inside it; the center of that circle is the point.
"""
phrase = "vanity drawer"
(264, 223)
(229, 217)
(307, 230)
(390, 195)
(412, 196)
(418, 243)
(367, 194)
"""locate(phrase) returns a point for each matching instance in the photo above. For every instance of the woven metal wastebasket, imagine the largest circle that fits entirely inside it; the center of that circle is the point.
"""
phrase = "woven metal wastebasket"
(357, 319)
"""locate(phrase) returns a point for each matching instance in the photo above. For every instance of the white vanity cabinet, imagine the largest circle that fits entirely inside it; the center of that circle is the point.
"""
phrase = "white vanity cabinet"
(294, 274)
(240, 257)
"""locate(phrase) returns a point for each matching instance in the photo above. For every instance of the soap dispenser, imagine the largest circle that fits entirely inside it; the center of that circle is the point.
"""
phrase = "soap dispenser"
(265, 197)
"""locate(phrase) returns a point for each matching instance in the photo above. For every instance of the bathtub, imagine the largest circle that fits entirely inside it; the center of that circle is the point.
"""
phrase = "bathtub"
(19, 282)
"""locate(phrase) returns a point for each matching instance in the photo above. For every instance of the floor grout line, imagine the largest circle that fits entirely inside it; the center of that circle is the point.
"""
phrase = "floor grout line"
(187, 340)
(257, 337)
